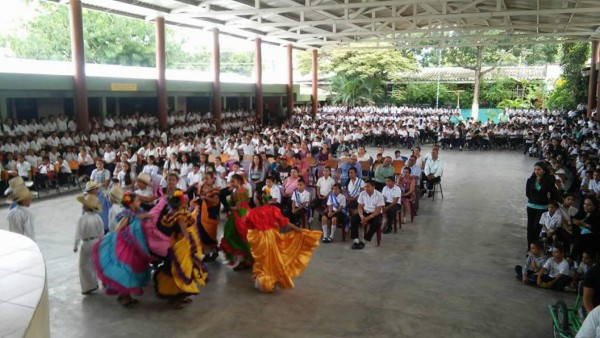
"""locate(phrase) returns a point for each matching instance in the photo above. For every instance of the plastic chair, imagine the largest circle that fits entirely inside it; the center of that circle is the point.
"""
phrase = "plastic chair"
(435, 185)
(377, 233)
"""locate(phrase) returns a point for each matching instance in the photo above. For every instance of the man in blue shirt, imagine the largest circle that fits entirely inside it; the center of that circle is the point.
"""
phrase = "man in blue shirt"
(353, 163)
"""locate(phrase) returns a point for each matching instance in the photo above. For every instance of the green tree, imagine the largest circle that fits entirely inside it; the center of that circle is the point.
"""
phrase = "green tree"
(108, 38)
(574, 57)
(237, 62)
(353, 90)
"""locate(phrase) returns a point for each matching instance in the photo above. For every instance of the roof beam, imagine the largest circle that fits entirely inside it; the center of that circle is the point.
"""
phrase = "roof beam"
(454, 45)
(458, 16)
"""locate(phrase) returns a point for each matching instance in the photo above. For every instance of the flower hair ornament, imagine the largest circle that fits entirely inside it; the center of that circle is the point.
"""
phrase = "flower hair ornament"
(127, 200)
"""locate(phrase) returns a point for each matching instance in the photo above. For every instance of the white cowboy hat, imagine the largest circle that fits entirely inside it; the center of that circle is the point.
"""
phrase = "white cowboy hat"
(21, 194)
(144, 178)
(91, 185)
(16, 182)
(116, 192)
(90, 202)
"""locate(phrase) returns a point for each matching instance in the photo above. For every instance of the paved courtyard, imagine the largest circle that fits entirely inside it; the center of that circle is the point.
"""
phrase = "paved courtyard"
(449, 274)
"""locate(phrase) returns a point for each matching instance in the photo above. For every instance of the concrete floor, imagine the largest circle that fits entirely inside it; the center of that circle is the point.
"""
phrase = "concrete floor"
(449, 274)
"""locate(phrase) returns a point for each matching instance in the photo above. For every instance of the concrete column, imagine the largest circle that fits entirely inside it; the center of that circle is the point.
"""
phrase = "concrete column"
(216, 84)
(117, 106)
(80, 91)
(161, 82)
(597, 77)
(593, 81)
(103, 108)
(315, 82)
(290, 84)
(3, 107)
(181, 103)
(251, 102)
(258, 80)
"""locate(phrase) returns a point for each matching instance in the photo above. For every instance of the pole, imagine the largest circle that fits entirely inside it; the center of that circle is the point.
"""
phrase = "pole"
(258, 79)
(161, 82)
(216, 84)
(81, 101)
(290, 85)
(315, 82)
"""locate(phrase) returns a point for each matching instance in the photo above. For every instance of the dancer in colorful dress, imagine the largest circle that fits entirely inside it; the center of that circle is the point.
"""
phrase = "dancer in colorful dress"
(278, 257)
(206, 211)
(234, 242)
(122, 257)
(183, 270)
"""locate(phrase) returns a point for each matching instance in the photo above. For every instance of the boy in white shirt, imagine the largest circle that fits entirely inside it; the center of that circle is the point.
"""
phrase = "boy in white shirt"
(555, 273)
(89, 229)
(391, 194)
(300, 204)
(336, 212)
(551, 220)
(274, 191)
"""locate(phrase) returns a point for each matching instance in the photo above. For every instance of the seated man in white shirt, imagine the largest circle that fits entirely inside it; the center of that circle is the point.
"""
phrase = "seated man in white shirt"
(370, 207)
(391, 194)
(336, 212)
(433, 170)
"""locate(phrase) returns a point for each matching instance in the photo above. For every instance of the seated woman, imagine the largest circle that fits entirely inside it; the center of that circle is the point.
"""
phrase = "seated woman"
(407, 184)
(122, 257)
(183, 270)
(587, 225)
(278, 257)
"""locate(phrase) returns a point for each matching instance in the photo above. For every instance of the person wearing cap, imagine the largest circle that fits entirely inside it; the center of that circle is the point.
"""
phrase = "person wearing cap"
(92, 188)
(20, 219)
(144, 191)
(89, 229)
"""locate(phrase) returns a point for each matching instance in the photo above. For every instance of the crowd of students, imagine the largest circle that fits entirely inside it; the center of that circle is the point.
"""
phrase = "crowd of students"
(563, 215)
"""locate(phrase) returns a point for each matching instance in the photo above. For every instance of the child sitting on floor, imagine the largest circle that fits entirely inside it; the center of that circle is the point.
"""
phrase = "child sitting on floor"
(555, 273)
(533, 264)
(584, 266)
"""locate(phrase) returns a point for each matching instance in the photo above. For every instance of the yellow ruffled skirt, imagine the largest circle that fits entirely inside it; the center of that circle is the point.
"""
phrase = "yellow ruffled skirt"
(278, 258)
(183, 271)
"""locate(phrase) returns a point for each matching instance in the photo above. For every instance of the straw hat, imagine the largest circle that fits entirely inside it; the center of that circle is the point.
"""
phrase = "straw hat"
(90, 202)
(116, 192)
(16, 182)
(144, 178)
(21, 193)
(91, 185)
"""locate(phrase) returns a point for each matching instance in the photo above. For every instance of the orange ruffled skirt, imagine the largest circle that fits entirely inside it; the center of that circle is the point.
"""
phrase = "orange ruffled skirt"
(278, 258)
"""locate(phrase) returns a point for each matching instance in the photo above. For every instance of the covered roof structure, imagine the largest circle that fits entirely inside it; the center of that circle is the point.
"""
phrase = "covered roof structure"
(316, 24)
(463, 75)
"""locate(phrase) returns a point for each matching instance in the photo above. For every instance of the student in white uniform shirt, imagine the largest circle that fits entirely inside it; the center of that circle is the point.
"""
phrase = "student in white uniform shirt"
(324, 186)
(150, 168)
(336, 212)
(392, 194)
(89, 229)
(370, 207)
(355, 186)
(194, 176)
(274, 191)
(20, 219)
(300, 200)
